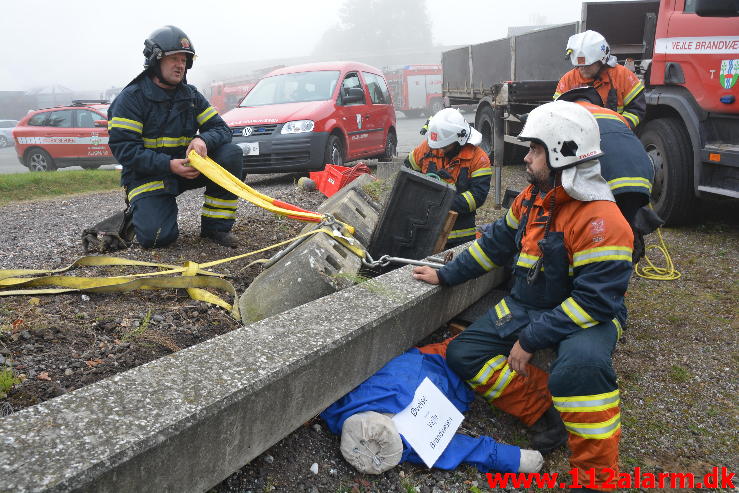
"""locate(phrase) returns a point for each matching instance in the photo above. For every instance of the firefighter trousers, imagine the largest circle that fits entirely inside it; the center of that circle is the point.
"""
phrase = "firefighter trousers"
(155, 214)
(581, 383)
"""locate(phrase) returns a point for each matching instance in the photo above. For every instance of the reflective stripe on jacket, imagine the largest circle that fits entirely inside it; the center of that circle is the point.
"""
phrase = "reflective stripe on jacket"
(149, 126)
(630, 100)
(584, 274)
(470, 173)
(625, 164)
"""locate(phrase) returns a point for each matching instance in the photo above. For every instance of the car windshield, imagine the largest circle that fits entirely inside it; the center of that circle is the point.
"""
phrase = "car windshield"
(293, 88)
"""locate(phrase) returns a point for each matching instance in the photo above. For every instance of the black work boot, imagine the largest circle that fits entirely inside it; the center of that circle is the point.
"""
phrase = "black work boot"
(223, 238)
(548, 433)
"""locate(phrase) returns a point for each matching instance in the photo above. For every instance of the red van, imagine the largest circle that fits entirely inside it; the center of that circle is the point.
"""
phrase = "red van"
(302, 117)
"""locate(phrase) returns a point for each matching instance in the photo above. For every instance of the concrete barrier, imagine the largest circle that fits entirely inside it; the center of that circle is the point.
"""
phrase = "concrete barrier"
(187, 421)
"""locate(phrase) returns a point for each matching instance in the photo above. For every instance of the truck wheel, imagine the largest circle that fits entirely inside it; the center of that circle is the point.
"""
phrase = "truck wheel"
(39, 160)
(668, 145)
(484, 125)
(334, 151)
(391, 148)
(3, 141)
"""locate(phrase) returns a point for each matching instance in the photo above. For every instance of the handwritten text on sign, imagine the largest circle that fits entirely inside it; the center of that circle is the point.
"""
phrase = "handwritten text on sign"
(429, 422)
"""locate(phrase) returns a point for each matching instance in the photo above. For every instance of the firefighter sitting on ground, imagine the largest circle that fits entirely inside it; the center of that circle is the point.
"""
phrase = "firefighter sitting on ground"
(571, 249)
(619, 88)
(154, 123)
(625, 164)
(450, 153)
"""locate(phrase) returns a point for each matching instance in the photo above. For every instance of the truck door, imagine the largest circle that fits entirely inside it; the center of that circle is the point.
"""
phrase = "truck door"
(417, 92)
(354, 117)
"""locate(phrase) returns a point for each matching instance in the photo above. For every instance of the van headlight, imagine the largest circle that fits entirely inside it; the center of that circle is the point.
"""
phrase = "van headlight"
(297, 127)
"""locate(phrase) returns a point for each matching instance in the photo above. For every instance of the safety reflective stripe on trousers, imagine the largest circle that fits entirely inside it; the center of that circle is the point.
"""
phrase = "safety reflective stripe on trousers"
(146, 187)
(491, 366)
(167, 142)
(461, 233)
(505, 377)
(598, 431)
(501, 309)
(126, 124)
(577, 314)
(206, 115)
(587, 403)
(601, 254)
(219, 208)
(471, 204)
(630, 181)
(479, 256)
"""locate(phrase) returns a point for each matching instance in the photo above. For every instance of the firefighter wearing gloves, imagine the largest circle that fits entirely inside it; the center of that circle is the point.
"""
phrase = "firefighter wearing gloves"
(571, 250)
(625, 164)
(450, 153)
(153, 124)
(619, 87)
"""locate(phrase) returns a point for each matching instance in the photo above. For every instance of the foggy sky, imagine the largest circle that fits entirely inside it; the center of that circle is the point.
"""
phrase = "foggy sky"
(93, 45)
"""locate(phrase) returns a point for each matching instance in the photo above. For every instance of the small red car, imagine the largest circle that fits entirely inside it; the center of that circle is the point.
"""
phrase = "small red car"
(302, 117)
(64, 136)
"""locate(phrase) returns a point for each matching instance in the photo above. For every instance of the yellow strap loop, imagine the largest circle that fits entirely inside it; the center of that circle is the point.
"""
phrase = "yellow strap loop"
(667, 273)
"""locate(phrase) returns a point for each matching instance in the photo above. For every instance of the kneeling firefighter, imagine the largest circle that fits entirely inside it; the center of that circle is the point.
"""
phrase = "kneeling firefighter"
(153, 124)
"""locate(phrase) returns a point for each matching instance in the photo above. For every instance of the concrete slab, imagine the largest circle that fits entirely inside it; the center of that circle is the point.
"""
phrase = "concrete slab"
(187, 421)
(318, 265)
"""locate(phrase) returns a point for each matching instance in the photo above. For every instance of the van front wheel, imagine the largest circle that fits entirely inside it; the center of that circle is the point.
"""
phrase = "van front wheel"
(334, 151)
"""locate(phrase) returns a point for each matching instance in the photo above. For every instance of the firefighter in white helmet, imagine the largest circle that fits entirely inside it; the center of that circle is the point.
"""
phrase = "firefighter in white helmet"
(571, 253)
(619, 88)
(451, 153)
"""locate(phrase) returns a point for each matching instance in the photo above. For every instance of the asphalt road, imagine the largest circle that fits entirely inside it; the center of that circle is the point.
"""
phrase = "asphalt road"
(408, 138)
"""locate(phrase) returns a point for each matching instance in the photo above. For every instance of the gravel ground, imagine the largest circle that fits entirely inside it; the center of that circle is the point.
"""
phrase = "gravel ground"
(677, 364)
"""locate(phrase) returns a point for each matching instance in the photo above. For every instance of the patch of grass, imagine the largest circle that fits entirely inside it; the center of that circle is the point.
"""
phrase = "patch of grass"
(7, 380)
(377, 189)
(15, 187)
(678, 374)
(137, 332)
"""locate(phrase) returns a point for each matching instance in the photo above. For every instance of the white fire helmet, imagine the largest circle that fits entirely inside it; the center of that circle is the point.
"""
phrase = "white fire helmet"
(589, 47)
(449, 126)
(571, 137)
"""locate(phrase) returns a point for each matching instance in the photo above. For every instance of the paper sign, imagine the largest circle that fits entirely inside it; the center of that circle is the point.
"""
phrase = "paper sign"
(429, 422)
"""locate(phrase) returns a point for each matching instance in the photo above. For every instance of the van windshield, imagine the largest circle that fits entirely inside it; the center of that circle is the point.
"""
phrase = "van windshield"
(293, 88)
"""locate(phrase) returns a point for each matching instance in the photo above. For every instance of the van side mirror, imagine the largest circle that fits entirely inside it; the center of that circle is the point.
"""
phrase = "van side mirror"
(352, 95)
(101, 123)
(716, 8)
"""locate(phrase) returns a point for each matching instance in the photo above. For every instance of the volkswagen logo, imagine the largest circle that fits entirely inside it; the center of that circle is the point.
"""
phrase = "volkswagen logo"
(247, 131)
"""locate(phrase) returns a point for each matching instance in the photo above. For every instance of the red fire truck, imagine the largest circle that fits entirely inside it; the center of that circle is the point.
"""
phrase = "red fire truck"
(225, 95)
(415, 89)
(687, 53)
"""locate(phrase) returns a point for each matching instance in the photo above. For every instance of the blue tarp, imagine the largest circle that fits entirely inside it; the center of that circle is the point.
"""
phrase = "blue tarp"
(391, 390)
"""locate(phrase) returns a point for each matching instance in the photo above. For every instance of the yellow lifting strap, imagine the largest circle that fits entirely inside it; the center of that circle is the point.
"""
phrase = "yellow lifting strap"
(194, 277)
(216, 173)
